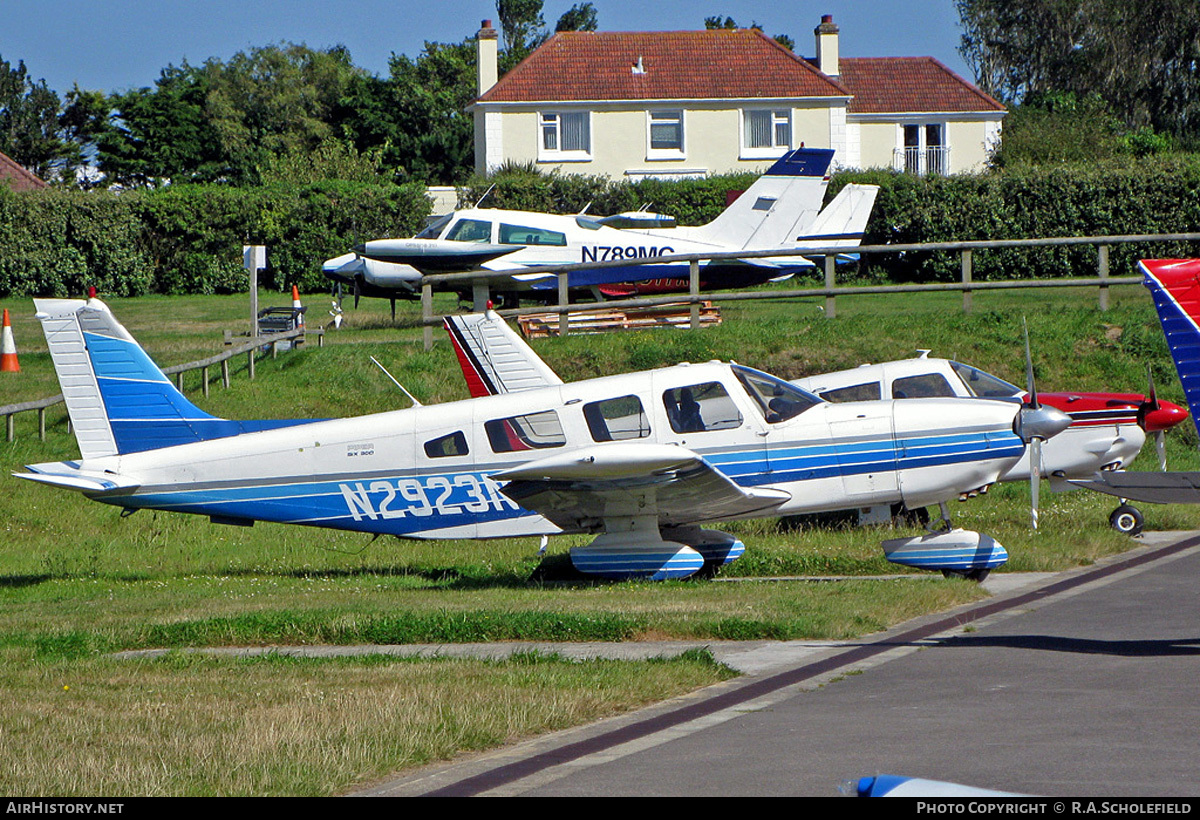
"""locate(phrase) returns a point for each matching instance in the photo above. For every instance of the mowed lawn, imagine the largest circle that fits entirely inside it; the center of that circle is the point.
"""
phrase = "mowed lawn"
(79, 582)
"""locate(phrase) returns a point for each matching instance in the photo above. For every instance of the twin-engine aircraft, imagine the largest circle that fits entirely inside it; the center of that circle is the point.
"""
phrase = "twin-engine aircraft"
(1175, 286)
(780, 211)
(642, 460)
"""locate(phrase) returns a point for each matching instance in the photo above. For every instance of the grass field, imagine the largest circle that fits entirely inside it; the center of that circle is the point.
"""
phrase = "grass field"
(78, 582)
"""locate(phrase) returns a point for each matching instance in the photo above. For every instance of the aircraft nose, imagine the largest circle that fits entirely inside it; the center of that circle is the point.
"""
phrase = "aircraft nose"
(1165, 416)
(1041, 422)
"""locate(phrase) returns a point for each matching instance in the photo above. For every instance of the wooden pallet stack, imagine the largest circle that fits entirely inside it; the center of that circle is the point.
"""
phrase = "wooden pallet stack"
(604, 320)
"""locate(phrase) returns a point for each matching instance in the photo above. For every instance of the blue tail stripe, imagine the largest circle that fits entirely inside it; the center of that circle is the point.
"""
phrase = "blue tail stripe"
(146, 411)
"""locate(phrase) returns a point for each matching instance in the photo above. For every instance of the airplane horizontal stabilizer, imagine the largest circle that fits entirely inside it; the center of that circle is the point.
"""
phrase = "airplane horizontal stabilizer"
(69, 476)
(493, 358)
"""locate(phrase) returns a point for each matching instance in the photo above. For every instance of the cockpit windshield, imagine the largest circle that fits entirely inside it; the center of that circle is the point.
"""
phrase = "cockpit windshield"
(778, 400)
(984, 385)
(434, 229)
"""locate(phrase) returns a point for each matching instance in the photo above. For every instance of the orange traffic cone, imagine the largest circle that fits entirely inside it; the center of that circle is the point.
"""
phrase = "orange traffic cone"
(8, 349)
(296, 304)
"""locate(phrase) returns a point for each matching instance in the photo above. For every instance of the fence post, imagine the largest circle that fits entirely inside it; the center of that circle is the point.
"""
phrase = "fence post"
(564, 310)
(966, 278)
(480, 295)
(225, 373)
(204, 379)
(42, 423)
(693, 292)
(1102, 272)
(427, 314)
(830, 276)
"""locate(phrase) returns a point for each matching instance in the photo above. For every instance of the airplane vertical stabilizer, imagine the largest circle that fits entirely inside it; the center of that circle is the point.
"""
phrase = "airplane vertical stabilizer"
(1175, 286)
(119, 401)
(780, 204)
(494, 359)
(843, 220)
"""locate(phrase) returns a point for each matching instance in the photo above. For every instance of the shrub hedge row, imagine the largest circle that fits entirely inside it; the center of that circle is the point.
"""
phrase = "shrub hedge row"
(188, 239)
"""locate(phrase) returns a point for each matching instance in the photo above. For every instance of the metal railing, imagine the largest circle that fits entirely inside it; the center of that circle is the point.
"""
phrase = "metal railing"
(480, 282)
(913, 160)
(251, 348)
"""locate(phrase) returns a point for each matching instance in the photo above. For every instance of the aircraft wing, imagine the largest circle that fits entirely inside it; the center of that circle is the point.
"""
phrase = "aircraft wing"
(580, 489)
(434, 255)
(1153, 488)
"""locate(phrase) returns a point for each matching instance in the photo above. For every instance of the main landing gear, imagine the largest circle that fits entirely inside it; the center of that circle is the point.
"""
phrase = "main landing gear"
(1127, 519)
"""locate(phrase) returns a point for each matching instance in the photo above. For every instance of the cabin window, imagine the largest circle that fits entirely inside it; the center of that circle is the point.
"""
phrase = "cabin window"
(778, 400)
(666, 134)
(454, 444)
(984, 385)
(566, 133)
(435, 226)
(519, 235)
(856, 392)
(926, 386)
(767, 131)
(531, 431)
(471, 230)
(616, 419)
(701, 408)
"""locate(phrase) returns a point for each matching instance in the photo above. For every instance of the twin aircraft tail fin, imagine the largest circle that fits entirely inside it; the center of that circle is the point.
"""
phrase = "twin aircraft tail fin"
(493, 358)
(119, 401)
(843, 220)
(780, 204)
(1175, 286)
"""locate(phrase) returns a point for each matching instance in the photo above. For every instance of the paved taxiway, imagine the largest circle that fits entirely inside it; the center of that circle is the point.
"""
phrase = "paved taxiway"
(1082, 683)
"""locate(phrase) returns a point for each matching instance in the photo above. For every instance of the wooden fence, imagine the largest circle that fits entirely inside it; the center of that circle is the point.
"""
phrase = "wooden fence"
(250, 348)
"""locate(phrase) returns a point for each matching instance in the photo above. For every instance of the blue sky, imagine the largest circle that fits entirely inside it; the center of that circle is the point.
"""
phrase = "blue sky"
(116, 45)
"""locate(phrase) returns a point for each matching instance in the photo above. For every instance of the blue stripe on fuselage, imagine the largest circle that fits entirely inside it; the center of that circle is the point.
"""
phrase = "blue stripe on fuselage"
(410, 504)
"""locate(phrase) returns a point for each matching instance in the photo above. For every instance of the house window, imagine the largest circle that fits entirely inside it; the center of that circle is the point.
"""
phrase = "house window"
(766, 132)
(924, 150)
(566, 135)
(666, 134)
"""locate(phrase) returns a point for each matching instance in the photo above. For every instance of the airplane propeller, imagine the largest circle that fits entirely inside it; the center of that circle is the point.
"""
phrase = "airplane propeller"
(1152, 405)
(1035, 424)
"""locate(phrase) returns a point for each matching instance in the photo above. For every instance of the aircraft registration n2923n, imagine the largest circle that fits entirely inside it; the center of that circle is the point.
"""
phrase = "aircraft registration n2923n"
(642, 459)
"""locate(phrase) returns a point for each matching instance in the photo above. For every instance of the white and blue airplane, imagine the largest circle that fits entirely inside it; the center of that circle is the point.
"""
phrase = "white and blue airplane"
(642, 460)
(780, 211)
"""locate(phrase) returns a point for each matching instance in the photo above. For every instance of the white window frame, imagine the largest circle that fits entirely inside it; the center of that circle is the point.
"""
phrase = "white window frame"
(923, 158)
(554, 120)
(666, 115)
(775, 149)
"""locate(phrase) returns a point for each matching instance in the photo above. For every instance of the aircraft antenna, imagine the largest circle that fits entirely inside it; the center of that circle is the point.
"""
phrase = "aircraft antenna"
(411, 397)
(479, 201)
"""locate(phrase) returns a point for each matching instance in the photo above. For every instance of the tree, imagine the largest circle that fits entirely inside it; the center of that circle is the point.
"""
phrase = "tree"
(728, 23)
(29, 121)
(417, 116)
(580, 17)
(1142, 59)
(522, 25)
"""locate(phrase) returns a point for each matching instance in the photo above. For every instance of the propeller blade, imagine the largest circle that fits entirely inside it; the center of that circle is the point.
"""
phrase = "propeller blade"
(1035, 479)
(356, 293)
(1160, 445)
(1030, 387)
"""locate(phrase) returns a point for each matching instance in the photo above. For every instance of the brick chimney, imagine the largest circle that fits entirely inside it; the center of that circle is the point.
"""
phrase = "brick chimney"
(827, 45)
(487, 45)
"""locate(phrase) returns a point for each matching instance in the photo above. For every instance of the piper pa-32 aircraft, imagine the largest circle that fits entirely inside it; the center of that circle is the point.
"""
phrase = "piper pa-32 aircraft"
(1175, 286)
(1107, 429)
(641, 459)
(780, 211)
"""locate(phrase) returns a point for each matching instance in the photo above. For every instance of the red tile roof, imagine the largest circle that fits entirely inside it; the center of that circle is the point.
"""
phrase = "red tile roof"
(16, 176)
(679, 65)
(896, 85)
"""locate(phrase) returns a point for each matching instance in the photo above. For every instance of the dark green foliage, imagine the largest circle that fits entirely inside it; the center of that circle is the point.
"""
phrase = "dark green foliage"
(189, 238)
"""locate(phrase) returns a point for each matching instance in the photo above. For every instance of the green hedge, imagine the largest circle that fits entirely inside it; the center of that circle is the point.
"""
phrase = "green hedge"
(188, 238)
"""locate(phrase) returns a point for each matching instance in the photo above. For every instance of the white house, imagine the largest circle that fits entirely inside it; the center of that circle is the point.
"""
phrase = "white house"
(690, 103)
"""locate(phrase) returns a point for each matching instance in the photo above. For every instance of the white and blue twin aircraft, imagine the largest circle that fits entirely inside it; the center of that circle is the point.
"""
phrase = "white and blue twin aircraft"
(642, 460)
(780, 211)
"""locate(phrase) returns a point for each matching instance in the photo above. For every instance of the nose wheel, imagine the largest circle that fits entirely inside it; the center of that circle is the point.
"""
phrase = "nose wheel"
(1127, 519)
